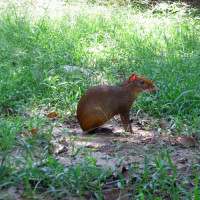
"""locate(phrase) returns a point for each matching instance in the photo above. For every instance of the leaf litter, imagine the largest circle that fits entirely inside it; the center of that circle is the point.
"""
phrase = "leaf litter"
(121, 150)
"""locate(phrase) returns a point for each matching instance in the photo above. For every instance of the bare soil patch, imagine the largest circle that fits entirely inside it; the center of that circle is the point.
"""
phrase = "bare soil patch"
(134, 147)
(120, 150)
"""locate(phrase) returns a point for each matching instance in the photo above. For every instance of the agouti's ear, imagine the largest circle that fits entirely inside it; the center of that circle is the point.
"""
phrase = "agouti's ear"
(133, 77)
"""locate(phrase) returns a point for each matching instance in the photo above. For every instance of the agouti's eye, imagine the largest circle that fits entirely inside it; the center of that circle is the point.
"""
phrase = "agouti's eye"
(141, 82)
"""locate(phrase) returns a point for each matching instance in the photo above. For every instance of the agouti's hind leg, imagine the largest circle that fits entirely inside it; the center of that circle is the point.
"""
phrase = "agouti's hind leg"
(95, 123)
(126, 122)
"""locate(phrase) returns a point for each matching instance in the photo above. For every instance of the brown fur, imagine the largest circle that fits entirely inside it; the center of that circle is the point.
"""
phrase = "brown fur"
(102, 102)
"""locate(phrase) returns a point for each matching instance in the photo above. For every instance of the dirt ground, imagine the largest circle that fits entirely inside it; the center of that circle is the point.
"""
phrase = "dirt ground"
(133, 147)
(121, 150)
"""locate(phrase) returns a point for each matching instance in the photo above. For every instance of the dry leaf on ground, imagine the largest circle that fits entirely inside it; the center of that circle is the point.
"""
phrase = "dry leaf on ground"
(57, 148)
(116, 194)
(52, 114)
(33, 131)
(162, 123)
(185, 141)
(182, 160)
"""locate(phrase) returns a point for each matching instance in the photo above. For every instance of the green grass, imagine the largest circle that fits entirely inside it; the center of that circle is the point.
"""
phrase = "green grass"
(111, 42)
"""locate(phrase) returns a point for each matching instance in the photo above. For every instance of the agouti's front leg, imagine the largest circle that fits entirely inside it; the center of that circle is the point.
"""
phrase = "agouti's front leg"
(126, 122)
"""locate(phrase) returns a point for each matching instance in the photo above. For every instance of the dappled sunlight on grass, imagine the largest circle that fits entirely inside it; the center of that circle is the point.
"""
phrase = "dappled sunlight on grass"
(52, 51)
(42, 36)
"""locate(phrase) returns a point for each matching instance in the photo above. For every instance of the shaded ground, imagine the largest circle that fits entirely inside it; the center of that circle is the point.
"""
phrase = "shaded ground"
(133, 147)
(121, 150)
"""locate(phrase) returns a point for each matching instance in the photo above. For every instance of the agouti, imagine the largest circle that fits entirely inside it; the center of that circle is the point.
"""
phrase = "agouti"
(102, 102)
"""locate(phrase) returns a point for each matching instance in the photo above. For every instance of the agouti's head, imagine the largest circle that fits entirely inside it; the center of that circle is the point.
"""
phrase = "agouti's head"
(141, 84)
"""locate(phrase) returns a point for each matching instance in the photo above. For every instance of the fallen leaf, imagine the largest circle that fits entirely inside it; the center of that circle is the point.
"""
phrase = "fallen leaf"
(182, 160)
(52, 114)
(124, 172)
(185, 141)
(33, 132)
(24, 134)
(57, 148)
(169, 171)
(26, 196)
(116, 194)
(162, 123)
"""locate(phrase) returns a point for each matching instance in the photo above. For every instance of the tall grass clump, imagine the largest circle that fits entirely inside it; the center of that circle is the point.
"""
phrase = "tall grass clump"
(111, 42)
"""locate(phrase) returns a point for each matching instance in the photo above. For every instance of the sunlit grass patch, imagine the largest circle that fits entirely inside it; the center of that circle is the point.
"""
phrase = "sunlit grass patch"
(110, 42)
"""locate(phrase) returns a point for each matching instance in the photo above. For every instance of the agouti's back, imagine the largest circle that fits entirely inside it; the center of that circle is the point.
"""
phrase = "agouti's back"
(102, 102)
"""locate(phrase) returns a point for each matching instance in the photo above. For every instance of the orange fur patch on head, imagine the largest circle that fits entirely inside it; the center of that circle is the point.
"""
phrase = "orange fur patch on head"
(145, 80)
